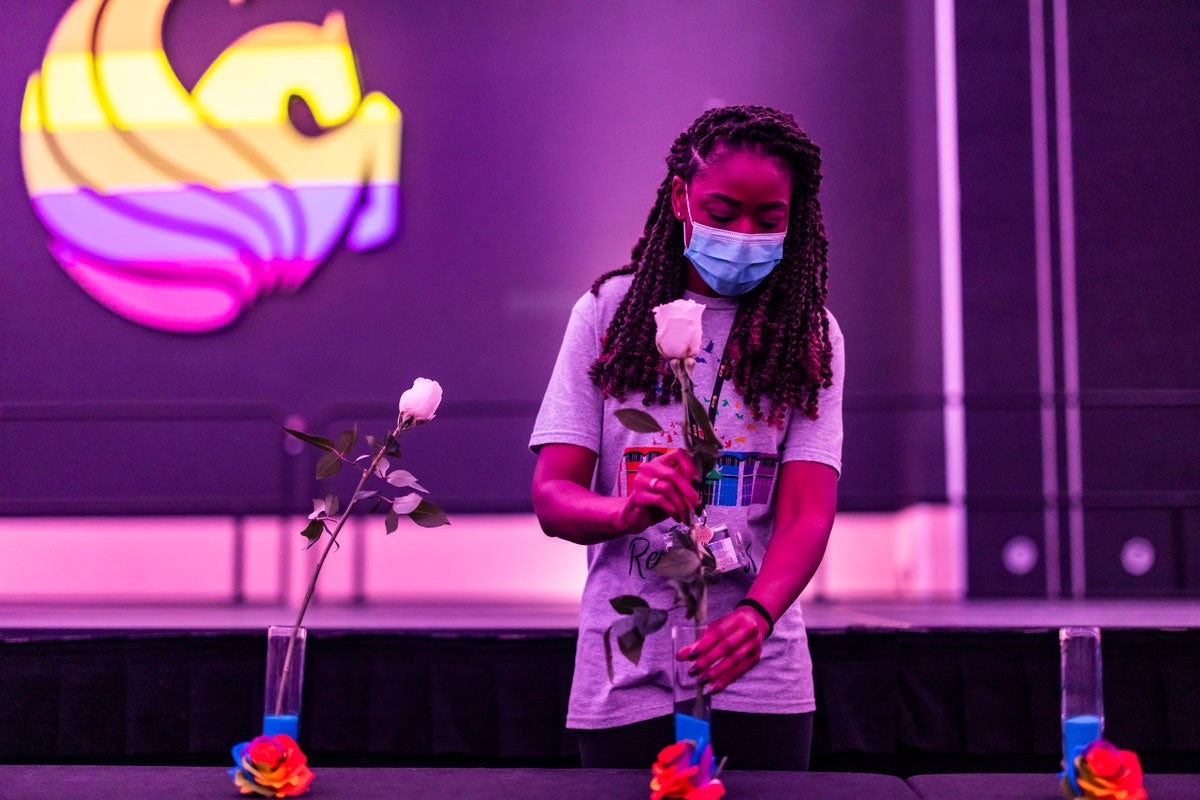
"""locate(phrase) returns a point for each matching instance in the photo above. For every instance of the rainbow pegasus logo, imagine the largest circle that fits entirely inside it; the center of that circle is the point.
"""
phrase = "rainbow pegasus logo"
(179, 209)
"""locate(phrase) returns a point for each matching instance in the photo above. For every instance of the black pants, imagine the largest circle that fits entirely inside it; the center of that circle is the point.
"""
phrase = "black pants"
(750, 741)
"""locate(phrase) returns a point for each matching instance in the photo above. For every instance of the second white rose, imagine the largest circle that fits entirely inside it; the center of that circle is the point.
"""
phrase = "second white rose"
(678, 328)
(422, 400)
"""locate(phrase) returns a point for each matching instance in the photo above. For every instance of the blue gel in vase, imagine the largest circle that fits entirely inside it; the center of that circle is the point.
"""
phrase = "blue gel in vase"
(688, 727)
(1078, 732)
(282, 723)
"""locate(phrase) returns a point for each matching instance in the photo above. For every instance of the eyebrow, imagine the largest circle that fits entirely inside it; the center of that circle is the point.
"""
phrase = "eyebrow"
(771, 206)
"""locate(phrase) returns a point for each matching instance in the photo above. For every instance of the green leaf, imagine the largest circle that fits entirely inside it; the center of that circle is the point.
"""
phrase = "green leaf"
(406, 504)
(629, 638)
(366, 494)
(347, 440)
(403, 479)
(649, 620)
(391, 521)
(318, 511)
(638, 421)
(608, 660)
(700, 418)
(628, 603)
(391, 447)
(678, 562)
(705, 454)
(313, 531)
(331, 504)
(701, 589)
(681, 538)
(427, 515)
(319, 441)
(691, 593)
(329, 465)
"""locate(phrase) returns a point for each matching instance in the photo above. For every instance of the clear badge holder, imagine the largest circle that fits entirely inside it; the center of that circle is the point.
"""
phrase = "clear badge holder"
(728, 549)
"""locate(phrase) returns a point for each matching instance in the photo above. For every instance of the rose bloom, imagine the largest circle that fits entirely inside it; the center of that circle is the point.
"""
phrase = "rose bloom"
(1105, 773)
(675, 776)
(678, 328)
(271, 766)
(422, 400)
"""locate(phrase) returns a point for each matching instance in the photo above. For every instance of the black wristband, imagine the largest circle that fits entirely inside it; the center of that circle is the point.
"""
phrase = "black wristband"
(761, 610)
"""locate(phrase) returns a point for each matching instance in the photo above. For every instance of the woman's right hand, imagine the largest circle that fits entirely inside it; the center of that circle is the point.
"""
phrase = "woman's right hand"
(665, 487)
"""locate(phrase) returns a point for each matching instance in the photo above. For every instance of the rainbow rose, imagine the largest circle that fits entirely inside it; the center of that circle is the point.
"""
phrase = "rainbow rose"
(271, 766)
(1104, 772)
(675, 776)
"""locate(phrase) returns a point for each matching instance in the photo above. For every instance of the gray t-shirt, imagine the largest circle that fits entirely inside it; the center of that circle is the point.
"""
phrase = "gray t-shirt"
(575, 412)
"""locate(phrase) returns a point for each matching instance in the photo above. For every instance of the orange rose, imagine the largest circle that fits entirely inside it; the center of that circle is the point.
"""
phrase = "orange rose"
(271, 766)
(1105, 773)
(675, 776)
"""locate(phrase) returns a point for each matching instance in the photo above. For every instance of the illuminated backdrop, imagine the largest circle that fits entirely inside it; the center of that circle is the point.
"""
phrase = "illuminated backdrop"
(179, 209)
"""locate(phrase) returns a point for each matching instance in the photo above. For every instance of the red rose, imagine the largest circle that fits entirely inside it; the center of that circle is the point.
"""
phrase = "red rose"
(1105, 773)
(675, 776)
(271, 766)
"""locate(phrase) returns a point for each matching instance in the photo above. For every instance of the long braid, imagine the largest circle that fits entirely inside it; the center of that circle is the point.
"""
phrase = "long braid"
(779, 343)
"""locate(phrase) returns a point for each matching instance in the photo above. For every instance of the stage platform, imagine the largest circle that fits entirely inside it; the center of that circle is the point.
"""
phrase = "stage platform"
(483, 616)
(902, 687)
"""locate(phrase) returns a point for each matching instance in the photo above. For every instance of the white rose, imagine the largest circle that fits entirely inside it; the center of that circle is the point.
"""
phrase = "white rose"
(422, 400)
(679, 329)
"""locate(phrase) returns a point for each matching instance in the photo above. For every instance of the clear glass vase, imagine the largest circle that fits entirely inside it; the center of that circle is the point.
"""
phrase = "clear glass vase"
(1082, 690)
(285, 680)
(693, 703)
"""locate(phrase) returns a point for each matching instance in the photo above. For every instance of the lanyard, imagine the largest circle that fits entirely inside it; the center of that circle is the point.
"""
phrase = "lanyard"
(722, 373)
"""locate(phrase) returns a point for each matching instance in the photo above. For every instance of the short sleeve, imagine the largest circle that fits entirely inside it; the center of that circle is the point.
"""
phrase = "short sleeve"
(573, 407)
(820, 439)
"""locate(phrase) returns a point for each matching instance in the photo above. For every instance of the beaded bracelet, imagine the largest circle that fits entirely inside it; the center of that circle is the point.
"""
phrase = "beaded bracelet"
(761, 610)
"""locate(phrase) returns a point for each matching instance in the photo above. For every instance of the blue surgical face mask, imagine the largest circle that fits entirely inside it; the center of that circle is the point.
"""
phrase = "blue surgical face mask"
(732, 263)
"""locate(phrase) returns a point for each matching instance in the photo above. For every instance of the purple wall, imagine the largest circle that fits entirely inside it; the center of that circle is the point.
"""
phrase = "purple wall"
(534, 136)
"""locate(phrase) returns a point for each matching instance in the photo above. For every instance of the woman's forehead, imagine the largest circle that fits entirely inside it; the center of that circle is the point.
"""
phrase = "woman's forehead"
(742, 158)
(744, 166)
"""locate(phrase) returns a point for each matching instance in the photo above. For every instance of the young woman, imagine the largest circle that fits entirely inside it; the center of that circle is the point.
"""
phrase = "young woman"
(736, 226)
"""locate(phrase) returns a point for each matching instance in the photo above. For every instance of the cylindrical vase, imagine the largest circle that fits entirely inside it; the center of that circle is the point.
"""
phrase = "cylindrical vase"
(285, 680)
(1082, 689)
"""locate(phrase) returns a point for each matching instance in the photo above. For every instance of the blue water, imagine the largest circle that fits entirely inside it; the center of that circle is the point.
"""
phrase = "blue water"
(283, 723)
(688, 727)
(1078, 732)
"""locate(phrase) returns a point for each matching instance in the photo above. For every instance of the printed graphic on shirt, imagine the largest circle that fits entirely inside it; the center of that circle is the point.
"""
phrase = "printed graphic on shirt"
(738, 479)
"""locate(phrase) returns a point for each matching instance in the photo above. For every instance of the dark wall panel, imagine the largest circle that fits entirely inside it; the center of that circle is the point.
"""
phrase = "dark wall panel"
(1134, 97)
(1133, 281)
(533, 143)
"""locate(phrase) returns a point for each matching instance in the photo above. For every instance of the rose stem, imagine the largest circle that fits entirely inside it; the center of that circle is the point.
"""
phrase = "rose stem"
(312, 584)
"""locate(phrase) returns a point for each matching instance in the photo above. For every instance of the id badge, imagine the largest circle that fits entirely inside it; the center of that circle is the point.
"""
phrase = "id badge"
(727, 549)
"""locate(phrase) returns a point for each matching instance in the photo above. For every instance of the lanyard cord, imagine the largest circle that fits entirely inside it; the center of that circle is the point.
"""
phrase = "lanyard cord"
(718, 384)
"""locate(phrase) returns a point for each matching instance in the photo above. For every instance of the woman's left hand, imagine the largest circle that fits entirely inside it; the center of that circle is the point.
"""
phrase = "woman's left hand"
(729, 647)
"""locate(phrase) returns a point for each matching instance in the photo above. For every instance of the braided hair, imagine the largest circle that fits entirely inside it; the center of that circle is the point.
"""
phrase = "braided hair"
(779, 344)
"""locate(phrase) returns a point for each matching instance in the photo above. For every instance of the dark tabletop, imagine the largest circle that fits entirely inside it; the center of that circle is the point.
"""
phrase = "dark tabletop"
(20, 782)
(1036, 787)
